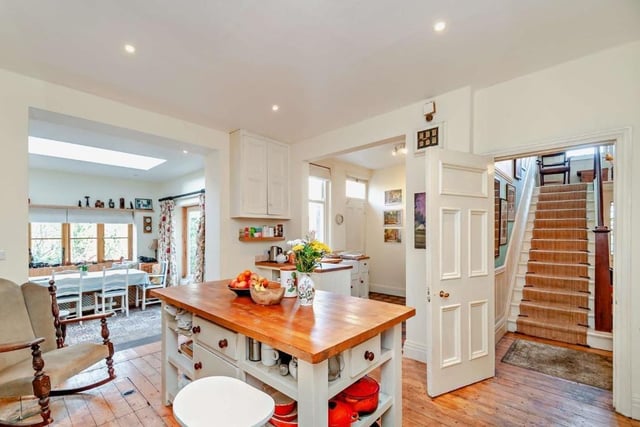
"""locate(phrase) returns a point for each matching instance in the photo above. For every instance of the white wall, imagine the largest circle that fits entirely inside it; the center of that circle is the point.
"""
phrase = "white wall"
(19, 93)
(599, 93)
(387, 264)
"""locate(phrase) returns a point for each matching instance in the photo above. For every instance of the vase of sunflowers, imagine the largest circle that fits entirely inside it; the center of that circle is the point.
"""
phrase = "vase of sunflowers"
(308, 253)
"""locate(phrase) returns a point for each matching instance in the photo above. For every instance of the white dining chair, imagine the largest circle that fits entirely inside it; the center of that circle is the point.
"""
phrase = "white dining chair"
(114, 285)
(69, 289)
(157, 279)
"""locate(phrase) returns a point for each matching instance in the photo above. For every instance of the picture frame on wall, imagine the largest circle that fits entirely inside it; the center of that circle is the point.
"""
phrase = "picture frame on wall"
(420, 220)
(392, 235)
(517, 168)
(503, 222)
(393, 197)
(143, 204)
(393, 217)
(431, 136)
(511, 202)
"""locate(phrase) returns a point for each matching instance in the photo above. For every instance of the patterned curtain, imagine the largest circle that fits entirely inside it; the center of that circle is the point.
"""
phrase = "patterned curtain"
(199, 270)
(167, 240)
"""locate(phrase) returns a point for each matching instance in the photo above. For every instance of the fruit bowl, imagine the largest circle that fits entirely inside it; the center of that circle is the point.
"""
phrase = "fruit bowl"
(239, 291)
(271, 295)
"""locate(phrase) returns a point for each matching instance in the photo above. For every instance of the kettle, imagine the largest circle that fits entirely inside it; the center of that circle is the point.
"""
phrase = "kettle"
(274, 252)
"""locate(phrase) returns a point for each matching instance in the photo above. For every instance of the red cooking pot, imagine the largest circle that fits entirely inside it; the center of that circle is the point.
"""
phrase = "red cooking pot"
(341, 414)
(362, 395)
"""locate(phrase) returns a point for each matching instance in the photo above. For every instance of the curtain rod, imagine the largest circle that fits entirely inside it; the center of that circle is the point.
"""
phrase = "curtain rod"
(179, 196)
(320, 166)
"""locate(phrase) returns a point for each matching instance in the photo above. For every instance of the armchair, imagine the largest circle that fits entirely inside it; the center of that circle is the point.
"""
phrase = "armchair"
(34, 359)
(157, 279)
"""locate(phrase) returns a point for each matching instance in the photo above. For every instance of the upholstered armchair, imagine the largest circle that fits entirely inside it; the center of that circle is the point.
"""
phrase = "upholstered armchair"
(34, 359)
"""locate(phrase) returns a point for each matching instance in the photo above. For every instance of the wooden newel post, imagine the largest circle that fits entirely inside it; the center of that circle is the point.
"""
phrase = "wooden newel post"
(603, 285)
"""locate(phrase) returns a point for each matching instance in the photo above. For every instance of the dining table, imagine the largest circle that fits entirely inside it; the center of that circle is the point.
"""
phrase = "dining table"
(92, 280)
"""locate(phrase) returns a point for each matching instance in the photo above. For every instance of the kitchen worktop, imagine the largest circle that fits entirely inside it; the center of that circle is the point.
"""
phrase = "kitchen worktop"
(325, 267)
(331, 325)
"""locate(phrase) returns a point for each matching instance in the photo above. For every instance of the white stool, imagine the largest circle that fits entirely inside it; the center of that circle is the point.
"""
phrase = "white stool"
(222, 401)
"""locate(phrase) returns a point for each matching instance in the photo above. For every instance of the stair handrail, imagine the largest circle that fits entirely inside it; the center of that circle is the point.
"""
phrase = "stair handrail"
(516, 239)
(603, 298)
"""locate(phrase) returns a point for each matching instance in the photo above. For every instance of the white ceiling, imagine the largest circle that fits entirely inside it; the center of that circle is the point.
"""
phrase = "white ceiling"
(326, 63)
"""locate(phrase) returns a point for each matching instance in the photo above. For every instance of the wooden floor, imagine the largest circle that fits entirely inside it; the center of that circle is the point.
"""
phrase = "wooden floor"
(514, 397)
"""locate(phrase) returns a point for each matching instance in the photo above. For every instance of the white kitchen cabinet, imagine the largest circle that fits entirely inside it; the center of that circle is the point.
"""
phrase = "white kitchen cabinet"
(359, 276)
(259, 177)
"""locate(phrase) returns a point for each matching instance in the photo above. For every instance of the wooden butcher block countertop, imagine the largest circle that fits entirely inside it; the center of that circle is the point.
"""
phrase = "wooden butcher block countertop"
(333, 323)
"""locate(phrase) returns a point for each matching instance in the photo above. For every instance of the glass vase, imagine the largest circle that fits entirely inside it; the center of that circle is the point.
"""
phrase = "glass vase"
(306, 288)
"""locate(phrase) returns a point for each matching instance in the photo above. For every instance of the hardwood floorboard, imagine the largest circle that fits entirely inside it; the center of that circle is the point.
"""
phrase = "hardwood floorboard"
(514, 397)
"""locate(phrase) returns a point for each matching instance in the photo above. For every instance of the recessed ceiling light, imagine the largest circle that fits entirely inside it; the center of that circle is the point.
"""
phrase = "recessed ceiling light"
(439, 26)
(275, 107)
(129, 48)
(84, 153)
(185, 152)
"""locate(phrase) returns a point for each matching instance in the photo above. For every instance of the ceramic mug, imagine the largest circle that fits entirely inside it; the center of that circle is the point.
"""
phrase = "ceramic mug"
(293, 367)
(269, 355)
(335, 366)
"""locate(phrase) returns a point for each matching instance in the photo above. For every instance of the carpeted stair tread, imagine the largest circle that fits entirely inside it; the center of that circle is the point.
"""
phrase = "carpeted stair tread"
(549, 197)
(560, 233)
(569, 257)
(561, 214)
(561, 204)
(573, 334)
(560, 244)
(554, 306)
(552, 295)
(562, 188)
(558, 269)
(575, 223)
(576, 284)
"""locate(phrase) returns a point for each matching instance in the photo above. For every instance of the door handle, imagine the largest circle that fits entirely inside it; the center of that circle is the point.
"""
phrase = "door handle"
(444, 294)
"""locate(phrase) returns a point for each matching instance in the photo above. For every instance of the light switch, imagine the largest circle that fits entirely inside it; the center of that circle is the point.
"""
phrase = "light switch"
(3, 255)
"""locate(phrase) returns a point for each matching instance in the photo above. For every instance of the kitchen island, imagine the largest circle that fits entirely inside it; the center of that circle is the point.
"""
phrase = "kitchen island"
(333, 277)
(366, 333)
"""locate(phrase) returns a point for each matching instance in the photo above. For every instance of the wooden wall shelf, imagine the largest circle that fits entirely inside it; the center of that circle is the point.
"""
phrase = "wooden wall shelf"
(261, 239)
(35, 205)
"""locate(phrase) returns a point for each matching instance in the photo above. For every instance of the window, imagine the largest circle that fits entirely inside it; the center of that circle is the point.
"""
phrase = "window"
(356, 189)
(318, 190)
(580, 152)
(46, 243)
(63, 243)
(116, 241)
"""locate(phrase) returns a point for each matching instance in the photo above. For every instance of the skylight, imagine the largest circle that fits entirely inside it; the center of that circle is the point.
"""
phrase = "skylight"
(84, 153)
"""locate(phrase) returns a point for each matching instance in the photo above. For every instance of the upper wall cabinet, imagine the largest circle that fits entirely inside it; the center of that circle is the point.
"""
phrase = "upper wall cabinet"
(259, 177)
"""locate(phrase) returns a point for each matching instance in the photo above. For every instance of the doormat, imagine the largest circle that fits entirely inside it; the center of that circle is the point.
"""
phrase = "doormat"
(579, 366)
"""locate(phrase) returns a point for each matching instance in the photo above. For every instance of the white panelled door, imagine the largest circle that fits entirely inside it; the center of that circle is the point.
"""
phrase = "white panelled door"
(460, 270)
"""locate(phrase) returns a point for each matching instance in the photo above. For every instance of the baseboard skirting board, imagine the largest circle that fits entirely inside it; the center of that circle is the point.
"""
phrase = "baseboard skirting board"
(387, 290)
(500, 330)
(415, 351)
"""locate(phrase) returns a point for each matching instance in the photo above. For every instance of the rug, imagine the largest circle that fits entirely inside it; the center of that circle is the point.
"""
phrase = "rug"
(141, 327)
(579, 366)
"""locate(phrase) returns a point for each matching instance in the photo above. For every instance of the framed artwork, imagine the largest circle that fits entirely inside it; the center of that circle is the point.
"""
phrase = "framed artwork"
(144, 204)
(496, 217)
(428, 137)
(511, 202)
(392, 235)
(420, 220)
(517, 168)
(393, 218)
(503, 221)
(392, 197)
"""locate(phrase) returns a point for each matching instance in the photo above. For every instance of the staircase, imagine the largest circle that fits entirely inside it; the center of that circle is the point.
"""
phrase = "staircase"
(554, 298)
